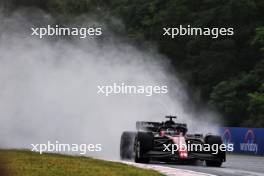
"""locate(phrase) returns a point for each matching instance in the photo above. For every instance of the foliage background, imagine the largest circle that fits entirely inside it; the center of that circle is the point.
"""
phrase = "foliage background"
(225, 74)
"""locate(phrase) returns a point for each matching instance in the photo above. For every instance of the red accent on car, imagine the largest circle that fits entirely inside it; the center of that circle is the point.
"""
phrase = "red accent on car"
(162, 133)
(181, 144)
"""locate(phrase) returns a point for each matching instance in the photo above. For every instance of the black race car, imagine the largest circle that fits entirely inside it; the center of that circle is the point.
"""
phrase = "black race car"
(168, 141)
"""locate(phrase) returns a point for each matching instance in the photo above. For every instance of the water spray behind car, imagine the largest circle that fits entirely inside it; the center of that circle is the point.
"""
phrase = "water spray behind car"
(48, 89)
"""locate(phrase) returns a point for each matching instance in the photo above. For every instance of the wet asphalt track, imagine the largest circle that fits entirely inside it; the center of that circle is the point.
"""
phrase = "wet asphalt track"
(236, 165)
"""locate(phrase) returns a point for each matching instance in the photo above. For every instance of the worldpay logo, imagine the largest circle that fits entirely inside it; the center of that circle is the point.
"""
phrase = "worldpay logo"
(227, 136)
(249, 144)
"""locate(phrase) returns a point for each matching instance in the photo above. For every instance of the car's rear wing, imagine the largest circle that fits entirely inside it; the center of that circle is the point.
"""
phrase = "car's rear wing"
(148, 126)
(154, 126)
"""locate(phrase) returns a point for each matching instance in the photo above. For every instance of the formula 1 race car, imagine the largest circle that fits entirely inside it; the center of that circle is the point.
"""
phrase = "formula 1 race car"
(168, 141)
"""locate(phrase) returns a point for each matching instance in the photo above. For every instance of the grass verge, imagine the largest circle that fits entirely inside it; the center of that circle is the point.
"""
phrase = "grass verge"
(26, 163)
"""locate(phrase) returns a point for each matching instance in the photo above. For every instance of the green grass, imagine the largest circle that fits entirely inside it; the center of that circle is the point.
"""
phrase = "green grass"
(26, 163)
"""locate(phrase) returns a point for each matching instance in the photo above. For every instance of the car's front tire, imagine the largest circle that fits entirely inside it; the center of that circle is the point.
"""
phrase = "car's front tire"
(220, 155)
(213, 163)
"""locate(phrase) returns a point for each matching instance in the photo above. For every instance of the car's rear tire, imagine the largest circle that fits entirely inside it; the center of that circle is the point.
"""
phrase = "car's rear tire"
(143, 143)
(220, 155)
(127, 145)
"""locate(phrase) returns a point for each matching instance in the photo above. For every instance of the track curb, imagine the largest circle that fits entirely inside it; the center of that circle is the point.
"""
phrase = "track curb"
(168, 171)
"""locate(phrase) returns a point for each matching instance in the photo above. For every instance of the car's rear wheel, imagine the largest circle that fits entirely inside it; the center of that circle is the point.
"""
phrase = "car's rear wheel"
(142, 144)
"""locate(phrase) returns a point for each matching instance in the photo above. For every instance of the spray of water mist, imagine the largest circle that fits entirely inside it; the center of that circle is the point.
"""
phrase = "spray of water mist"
(48, 89)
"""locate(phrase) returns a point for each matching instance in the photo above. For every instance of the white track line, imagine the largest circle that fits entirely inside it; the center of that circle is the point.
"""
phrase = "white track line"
(167, 170)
